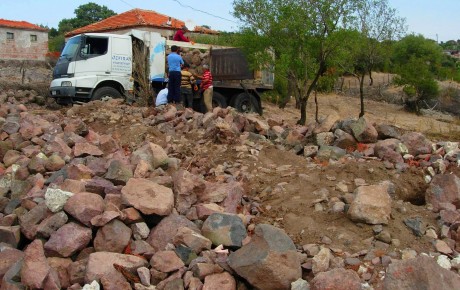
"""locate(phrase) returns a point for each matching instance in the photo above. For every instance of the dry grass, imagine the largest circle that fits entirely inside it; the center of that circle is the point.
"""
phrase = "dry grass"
(434, 125)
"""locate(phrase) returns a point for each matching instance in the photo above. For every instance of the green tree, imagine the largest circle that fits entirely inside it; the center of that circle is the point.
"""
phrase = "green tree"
(84, 15)
(378, 24)
(298, 37)
(418, 61)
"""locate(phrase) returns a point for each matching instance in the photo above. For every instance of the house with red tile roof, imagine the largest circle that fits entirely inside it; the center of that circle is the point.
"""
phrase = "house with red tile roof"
(22, 40)
(140, 19)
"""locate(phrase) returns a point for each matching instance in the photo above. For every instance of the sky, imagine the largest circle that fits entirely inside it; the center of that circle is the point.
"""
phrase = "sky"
(434, 19)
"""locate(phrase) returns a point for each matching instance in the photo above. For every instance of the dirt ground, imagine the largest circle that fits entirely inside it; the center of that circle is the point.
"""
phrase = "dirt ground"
(284, 183)
(292, 207)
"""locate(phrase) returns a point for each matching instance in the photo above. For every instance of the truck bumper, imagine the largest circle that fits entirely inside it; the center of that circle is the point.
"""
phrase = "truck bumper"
(62, 92)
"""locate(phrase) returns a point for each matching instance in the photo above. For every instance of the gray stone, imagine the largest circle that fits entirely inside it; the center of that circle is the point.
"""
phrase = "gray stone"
(330, 152)
(416, 226)
(363, 131)
(300, 284)
(118, 172)
(56, 198)
(224, 229)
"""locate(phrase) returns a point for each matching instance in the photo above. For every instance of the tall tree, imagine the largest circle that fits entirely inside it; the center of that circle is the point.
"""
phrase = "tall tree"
(84, 15)
(303, 36)
(378, 24)
(418, 62)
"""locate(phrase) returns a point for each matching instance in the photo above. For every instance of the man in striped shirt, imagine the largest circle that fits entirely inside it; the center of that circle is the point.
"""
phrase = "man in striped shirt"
(206, 87)
(186, 84)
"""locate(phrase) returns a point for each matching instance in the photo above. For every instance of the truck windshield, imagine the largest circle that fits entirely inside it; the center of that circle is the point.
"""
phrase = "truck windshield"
(71, 47)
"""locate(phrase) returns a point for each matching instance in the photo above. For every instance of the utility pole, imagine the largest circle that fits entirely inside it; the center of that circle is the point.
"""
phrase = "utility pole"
(437, 39)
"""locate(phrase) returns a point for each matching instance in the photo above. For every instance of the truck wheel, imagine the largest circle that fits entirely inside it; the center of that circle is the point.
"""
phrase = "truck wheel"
(218, 100)
(245, 103)
(106, 92)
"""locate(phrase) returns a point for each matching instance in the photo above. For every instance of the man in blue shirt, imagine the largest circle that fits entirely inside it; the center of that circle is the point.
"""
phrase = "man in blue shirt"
(174, 62)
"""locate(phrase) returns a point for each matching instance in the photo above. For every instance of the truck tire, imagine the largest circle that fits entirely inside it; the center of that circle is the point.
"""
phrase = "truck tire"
(105, 92)
(245, 103)
(218, 100)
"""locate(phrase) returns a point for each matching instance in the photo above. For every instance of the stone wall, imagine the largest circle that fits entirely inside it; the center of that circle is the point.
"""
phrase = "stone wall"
(26, 44)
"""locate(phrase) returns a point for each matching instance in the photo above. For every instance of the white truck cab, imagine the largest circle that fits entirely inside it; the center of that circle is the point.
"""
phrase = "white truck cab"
(91, 66)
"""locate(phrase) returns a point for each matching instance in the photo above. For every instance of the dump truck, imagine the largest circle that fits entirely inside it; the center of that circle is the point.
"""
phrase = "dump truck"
(97, 65)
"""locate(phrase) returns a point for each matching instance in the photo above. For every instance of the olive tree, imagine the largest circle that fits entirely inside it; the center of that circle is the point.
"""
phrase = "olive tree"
(418, 61)
(301, 37)
(378, 24)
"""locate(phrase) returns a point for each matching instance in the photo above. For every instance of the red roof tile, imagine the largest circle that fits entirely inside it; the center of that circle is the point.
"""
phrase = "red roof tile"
(132, 18)
(20, 25)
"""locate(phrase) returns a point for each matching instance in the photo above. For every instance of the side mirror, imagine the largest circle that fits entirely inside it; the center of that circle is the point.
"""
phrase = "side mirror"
(83, 47)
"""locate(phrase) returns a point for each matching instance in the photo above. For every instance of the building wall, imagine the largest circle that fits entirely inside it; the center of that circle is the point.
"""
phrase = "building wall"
(22, 47)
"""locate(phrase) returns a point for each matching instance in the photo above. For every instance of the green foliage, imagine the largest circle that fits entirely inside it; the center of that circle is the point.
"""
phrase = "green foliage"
(418, 47)
(297, 37)
(451, 45)
(56, 43)
(53, 32)
(224, 39)
(418, 82)
(326, 83)
(84, 15)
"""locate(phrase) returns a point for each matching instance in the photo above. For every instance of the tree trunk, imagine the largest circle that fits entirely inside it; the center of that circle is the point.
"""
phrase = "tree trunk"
(316, 107)
(304, 99)
(284, 101)
(303, 111)
(361, 94)
(371, 82)
(341, 84)
(291, 91)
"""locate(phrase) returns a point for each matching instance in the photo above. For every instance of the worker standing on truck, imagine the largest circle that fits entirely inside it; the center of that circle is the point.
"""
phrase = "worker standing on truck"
(174, 62)
(179, 36)
(186, 85)
(206, 87)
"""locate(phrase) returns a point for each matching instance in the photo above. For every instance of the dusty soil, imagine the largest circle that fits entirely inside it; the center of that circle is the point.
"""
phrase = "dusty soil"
(284, 183)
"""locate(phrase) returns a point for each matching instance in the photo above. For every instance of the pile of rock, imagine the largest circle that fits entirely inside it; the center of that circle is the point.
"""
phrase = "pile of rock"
(196, 59)
(84, 209)
(78, 211)
(23, 97)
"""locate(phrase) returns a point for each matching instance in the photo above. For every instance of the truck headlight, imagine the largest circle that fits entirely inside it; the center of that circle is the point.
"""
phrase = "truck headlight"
(66, 84)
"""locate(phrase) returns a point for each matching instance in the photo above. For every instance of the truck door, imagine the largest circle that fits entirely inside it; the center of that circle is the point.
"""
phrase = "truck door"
(93, 60)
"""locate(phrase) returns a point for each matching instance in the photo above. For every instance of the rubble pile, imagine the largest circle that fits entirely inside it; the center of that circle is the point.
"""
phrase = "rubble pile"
(195, 58)
(79, 210)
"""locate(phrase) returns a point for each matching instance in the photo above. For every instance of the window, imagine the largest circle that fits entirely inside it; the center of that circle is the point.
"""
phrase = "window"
(95, 46)
(9, 35)
(33, 38)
